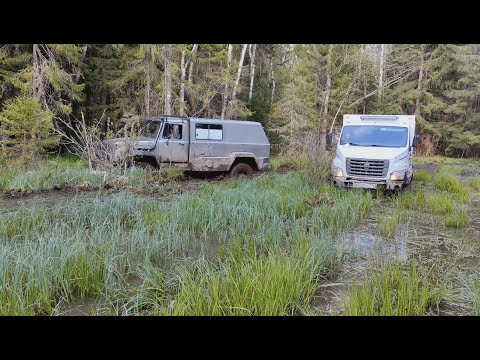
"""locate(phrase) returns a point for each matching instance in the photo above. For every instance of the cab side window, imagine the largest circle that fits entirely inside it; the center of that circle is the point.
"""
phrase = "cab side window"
(172, 131)
(208, 132)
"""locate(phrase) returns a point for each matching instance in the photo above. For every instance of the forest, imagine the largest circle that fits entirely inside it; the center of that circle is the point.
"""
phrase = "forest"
(297, 91)
(83, 233)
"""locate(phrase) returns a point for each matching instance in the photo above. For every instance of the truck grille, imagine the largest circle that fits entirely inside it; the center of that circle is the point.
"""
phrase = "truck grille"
(364, 167)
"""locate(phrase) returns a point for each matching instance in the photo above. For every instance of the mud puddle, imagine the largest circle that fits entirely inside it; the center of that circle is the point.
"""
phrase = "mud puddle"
(422, 237)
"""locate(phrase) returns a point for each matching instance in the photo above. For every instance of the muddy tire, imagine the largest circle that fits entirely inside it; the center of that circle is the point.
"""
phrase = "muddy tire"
(409, 186)
(241, 169)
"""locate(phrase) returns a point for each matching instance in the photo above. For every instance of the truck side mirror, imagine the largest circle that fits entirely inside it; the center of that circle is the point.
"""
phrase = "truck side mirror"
(329, 141)
(416, 140)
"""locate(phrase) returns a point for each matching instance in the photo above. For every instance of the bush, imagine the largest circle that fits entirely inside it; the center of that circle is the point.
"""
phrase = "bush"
(26, 129)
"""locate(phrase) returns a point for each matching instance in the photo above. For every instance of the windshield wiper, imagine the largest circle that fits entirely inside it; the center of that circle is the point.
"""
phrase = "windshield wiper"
(354, 144)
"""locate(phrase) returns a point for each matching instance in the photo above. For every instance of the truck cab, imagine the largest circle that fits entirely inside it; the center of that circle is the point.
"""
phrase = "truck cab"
(375, 151)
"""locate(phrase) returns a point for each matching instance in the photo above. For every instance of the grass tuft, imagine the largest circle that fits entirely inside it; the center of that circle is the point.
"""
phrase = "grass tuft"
(422, 175)
(475, 184)
(250, 280)
(393, 290)
(457, 219)
(446, 182)
(388, 224)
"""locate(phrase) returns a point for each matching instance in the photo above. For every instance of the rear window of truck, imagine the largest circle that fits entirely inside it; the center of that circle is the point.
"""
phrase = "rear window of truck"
(208, 132)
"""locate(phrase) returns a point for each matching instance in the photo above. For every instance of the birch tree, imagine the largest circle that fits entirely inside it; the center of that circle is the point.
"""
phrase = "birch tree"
(227, 81)
(251, 52)
(326, 101)
(184, 64)
(381, 70)
(232, 102)
(168, 79)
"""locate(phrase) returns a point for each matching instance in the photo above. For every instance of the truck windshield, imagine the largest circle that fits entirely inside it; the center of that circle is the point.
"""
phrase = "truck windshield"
(150, 130)
(367, 135)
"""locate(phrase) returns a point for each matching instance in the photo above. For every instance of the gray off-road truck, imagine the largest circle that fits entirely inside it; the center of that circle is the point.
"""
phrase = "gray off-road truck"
(237, 147)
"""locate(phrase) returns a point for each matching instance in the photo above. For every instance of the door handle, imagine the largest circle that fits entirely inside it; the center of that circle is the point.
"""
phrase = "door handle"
(181, 144)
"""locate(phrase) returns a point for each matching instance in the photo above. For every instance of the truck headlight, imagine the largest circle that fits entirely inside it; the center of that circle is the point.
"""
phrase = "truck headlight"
(397, 176)
(337, 172)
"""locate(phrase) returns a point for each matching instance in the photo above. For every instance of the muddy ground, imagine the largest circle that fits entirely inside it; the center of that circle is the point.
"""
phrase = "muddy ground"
(422, 236)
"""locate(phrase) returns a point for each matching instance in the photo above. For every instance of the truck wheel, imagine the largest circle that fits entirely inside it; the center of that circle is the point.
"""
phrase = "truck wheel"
(241, 169)
(409, 186)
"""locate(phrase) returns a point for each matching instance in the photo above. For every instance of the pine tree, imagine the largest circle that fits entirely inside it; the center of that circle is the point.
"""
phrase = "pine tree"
(26, 128)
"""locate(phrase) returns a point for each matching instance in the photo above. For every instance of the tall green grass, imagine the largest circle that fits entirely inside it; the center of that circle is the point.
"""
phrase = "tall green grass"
(446, 182)
(277, 162)
(79, 249)
(458, 218)
(419, 159)
(475, 184)
(57, 173)
(436, 203)
(387, 224)
(394, 290)
(476, 299)
(451, 184)
(249, 280)
(422, 175)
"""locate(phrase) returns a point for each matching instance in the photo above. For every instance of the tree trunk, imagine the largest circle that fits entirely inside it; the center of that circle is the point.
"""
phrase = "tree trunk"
(362, 56)
(103, 124)
(239, 72)
(326, 102)
(251, 52)
(183, 69)
(272, 74)
(168, 80)
(192, 57)
(35, 72)
(148, 85)
(225, 93)
(419, 85)
(381, 71)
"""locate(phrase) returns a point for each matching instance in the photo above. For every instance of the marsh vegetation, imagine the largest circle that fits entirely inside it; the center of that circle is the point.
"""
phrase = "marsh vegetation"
(267, 245)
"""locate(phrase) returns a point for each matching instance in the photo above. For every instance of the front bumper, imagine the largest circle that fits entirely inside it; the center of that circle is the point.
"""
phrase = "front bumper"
(368, 183)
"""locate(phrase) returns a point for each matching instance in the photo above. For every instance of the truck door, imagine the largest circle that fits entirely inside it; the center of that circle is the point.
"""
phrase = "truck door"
(173, 142)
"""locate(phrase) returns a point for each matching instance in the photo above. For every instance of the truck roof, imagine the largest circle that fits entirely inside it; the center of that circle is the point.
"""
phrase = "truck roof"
(205, 120)
(220, 121)
(384, 118)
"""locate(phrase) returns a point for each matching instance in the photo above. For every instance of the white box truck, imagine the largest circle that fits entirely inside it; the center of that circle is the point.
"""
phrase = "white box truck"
(375, 151)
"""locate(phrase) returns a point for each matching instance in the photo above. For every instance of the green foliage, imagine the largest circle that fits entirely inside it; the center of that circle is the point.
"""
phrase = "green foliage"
(26, 128)
(252, 281)
(88, 248)
(388, 224)
(289, 88)
(448, 183)
(395, 291)
(284, 162)
(422, 175)
(173, 173)
(457, 219)
(475, 183)
(476, 299)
